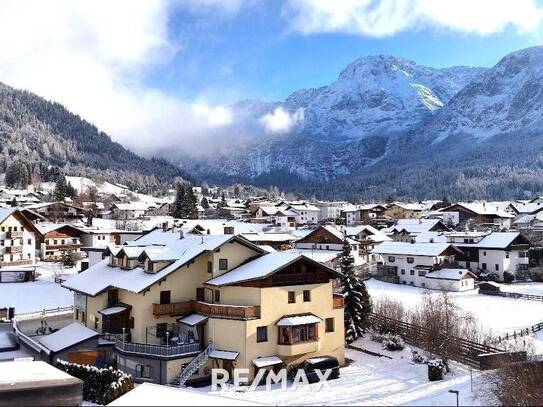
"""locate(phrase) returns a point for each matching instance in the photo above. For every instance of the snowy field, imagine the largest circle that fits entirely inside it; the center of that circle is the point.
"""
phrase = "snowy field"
(499, 314)
(41, 294)
(375, 381)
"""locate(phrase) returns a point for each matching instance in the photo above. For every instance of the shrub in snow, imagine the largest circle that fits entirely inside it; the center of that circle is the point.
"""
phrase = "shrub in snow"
(393, 342)
(436, 369)
(418, 357)
(377, 337)
(508, 277)
(100, 386)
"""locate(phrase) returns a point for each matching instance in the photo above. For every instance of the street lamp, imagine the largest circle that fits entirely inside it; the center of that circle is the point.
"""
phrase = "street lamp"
(455, 392)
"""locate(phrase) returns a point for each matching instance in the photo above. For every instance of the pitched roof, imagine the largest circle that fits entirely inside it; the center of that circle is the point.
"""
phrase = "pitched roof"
(496, 240)
(261, 267)
(415, 249)
(481, 208)
(412, 225)
(68, 336)
(100, 276)
(450, 274)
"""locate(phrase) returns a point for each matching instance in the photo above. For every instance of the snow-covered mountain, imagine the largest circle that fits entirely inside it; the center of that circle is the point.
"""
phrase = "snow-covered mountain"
(377, 95)
(346, 125)
(388, 126)
(507, 98)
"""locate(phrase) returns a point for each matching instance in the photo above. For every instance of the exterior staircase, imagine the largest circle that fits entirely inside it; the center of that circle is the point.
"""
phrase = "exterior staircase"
(194, 364)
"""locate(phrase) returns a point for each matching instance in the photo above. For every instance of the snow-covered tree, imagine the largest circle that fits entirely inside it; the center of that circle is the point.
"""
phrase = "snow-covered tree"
(357, 303)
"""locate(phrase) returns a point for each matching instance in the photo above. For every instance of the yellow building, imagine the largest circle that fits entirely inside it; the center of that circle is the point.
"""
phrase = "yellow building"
(169, 300)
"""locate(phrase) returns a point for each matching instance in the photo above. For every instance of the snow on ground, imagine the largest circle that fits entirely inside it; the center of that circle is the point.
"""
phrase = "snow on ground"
(523, 288)
(37, 295)
(499, 314)
(373, 380)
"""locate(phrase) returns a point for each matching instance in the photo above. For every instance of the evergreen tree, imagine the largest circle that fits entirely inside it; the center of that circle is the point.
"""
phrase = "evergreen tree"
(17, 175)
(191, 203)
(179, 202)
(223, 201)
(62, 189)
(205, 203)
(357, 304)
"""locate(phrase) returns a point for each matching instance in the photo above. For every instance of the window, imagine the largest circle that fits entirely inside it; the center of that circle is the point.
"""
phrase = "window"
(484, 253)
(307, 296)
(144, 371)
(483, 266)
(291, 297)
(261, 334)
(422, 273)
(403, 271)
(329, 324)
(410, 260)
(200, 294)
(210, 267)
(391, 259)
(165, 297)
(161, 329)
(96, 323)
(506, 255)
(289, 335)
(77, 314)
(112, 297)
(412, 272)
(423, 284)
(217, 296)
(497, 267)
(223, 264)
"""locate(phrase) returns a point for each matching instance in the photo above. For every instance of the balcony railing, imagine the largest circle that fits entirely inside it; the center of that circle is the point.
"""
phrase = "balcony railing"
(156, 350)
(337, 301)
(219, 310)
(228, 311)
(175, 308)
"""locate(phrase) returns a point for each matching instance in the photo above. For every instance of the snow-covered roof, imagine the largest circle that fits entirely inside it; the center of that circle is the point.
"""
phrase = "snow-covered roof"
(255, 269)
(412, 225)
(134, 206)
(223, 354)
(268, 237)
(267, 361)
(372, 233)
(527, 208)
(193, 319)
(482, 208)
(302, 319)
(45, 228)
(267, 248)
(450, 274)
(322, 256)
(408, 206)
(259, 268)
(497, 240)
(414, 249)
(112, 310)
(68, 336)
(304, 207)
(101, 276)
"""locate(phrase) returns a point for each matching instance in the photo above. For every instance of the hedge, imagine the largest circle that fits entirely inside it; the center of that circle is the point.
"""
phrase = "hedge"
(100, 386)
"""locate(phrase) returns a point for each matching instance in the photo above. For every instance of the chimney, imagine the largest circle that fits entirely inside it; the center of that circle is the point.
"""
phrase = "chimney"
(229, 230)
(181, 236)
(209, 231)
(164, 226)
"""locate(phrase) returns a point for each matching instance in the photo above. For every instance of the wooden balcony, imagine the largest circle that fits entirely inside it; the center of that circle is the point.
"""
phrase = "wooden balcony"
(213, 310)
(337, 301)
(175, 308)
(228, 311)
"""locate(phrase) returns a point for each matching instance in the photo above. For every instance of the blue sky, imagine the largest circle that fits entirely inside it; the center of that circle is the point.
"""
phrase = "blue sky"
(159, 75)
(253, 54)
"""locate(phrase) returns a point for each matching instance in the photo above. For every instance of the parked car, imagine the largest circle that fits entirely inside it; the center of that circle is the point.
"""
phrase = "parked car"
(322, 364)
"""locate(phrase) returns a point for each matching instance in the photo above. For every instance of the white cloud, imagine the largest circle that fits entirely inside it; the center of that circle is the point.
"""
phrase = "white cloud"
(91, 56)
(388, 17)
(281, 121)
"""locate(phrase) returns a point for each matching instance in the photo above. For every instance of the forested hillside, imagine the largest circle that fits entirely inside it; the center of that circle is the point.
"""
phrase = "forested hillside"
(40, 139)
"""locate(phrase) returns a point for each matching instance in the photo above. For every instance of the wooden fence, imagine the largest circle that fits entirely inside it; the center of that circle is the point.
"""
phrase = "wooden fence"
(512, 295)
(521, 332)
(458, 349)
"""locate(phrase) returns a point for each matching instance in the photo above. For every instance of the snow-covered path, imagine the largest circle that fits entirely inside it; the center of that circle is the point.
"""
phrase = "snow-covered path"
(371, 380)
